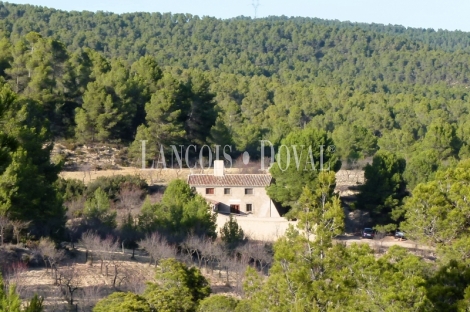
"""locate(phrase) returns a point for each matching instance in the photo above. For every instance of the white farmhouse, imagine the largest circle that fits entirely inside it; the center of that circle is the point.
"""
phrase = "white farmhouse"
(243, 194)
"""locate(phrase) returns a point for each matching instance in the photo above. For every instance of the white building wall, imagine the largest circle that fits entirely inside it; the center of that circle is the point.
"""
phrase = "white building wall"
(262, 205)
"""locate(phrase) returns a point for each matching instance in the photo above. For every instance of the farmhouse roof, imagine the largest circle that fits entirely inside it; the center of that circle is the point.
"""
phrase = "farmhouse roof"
(254, 180)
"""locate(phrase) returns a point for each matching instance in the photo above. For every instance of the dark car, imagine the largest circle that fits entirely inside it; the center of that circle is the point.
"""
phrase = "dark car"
(400, 235)
(368, 233)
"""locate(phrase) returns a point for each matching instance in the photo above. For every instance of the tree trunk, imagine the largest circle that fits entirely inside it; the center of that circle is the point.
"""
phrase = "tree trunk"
(55, 275)
(115, 276)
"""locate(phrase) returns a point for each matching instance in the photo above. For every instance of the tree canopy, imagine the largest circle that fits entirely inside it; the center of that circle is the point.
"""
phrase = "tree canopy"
(185, 79)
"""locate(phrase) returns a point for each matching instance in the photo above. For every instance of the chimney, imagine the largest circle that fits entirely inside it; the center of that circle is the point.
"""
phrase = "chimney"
(218, 168)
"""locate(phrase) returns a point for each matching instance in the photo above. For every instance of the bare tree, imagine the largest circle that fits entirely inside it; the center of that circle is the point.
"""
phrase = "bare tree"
(54, 260)
(74, 206)
(129, 232)
(46, 248)
(119, 275)
(52, 305)
(157, 247)
(74, 228)
(107, 252)
(90, 241)
(135, 280)
(238, 269)
(13, 274)
(225, 263)
(85, 169)
(74, 225)
(130, 197)
(214, 253)
(234, 266)
(4, 222)
(18, 226)
(151, 244)
(69, 282)
(258, 252)
(167, 251)
(193, 246)
(89, 296)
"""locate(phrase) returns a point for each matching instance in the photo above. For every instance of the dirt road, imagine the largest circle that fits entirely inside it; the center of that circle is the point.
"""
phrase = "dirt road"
(386, 242)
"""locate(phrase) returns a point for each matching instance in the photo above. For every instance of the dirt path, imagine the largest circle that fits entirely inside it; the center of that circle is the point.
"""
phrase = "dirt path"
(152, 176)
(387, 242)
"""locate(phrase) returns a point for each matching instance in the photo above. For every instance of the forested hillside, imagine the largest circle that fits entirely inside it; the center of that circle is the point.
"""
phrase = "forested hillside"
(389, 99)
(103, 77)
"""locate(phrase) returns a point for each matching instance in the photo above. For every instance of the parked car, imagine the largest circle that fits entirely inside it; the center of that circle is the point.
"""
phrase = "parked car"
(368, 233)
(399, 234)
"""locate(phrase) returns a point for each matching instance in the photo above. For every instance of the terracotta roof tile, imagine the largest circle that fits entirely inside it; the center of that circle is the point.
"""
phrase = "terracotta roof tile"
(230, 180)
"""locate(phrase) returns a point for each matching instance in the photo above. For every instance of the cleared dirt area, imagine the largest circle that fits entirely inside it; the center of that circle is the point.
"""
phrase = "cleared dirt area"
(93, 282)
(270, 229)
(125, 274)
(152, 176)
(387, 242)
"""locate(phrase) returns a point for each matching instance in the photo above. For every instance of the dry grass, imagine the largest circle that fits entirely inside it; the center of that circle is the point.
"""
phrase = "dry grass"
(94, 285)
(152, 176)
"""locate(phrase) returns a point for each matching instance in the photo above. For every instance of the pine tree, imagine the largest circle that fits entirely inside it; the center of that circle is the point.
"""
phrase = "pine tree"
(97, 118)
(384, 189)
(298, 164)
(305, 259)
(18, 72)
(202, 114)
(232, 234)
(179, 288)
(27, 191)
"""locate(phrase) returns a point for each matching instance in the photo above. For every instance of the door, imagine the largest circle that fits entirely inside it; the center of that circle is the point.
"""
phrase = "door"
(235, 208)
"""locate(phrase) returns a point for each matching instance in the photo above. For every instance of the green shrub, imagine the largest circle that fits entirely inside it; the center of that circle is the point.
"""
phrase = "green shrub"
(218, 303)
(112, 185)
(119, 302)
(70, 188)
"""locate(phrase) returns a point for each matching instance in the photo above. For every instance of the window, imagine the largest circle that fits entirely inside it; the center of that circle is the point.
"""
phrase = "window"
(235, 208)
(226, 191)
(249, 207)
(249, 191)
(209, 191)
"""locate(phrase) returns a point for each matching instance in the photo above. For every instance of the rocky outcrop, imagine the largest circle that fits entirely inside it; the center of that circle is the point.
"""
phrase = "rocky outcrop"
(347, 182)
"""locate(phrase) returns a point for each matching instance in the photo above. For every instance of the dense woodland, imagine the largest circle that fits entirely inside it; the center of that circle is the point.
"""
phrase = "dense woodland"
(393, 100)
(105, 77)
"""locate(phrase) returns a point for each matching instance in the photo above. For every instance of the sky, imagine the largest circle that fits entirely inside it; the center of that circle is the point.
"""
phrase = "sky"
(437, 14)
